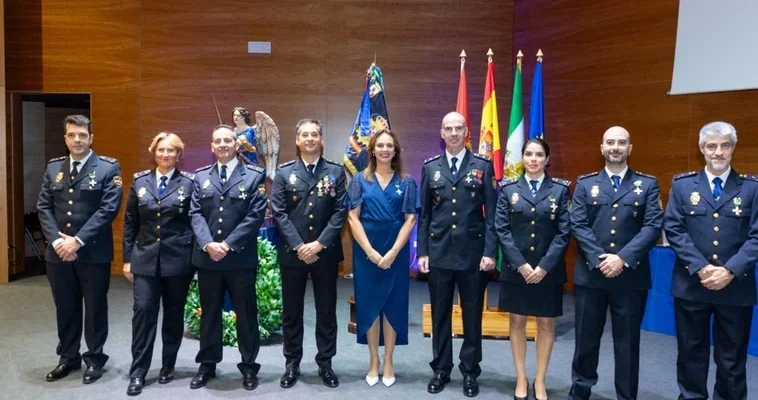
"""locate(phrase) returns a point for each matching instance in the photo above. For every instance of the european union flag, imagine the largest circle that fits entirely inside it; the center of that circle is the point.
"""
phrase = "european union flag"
(536, 113)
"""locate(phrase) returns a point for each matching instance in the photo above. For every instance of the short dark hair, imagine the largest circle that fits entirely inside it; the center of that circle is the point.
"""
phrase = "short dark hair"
(219, 126)
(78, 120)
(309, 121)
(539, 141)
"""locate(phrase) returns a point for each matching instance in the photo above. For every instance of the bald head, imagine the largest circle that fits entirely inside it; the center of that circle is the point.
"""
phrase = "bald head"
(454, 132)
(616, 147)
(453, 117)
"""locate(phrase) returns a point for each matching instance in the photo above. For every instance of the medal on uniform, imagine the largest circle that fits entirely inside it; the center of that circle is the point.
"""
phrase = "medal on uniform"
(638, 185)
(436, 176)
(92, 181)
(468, 178)
(320, 185)
(206, 184)
(595, 190)
(737, 203)
(141, 192)
(59, 177)
(553, 206)
(243, 195)
(514, 198)
(293, 179)
(398, 191)
(695, 198)
(181, 193)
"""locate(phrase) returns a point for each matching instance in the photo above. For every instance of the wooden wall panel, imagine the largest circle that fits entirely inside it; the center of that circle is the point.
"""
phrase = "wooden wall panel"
(4, 198)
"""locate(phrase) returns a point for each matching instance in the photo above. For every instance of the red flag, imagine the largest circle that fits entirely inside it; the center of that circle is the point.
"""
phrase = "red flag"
(462, 105)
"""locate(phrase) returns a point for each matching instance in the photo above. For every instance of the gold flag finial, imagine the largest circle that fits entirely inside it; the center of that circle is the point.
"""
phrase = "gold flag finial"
(489, 55)
(463, 57)
(539, 55)
(519, 56)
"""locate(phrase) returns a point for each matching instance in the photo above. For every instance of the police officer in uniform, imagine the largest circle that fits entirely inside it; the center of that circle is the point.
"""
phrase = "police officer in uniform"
(227, 211)
(616, 219)
(79, 199)
(157, 248)
(308, 205)
(457, 244)
(712, 225)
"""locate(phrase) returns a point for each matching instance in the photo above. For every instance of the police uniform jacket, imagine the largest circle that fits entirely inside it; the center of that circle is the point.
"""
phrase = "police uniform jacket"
(533, 230)
(84, 207)
(157, 228)
(704, 231)
(627, 223)
(309, 208)
(232, 212)
(454, 231)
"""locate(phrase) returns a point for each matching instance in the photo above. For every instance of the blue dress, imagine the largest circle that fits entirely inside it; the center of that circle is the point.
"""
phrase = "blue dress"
(379, 291)
(247, 137)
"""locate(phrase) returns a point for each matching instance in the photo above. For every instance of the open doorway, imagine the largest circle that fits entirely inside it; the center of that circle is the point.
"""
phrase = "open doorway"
(35, 129)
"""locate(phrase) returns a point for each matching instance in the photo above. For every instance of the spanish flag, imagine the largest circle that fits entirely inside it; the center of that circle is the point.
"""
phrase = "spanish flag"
(489, 135)
(461, 106)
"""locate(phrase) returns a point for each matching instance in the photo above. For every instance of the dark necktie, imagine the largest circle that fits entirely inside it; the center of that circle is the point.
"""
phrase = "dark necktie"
(75, 171)
(223, 174)
(534, 188)
(310, 168)
(616, 182)
(162, 186)
(717, 189)
(454, 168)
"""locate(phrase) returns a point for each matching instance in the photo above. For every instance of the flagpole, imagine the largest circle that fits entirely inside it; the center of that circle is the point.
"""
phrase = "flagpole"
(539, 55)
(519, 57)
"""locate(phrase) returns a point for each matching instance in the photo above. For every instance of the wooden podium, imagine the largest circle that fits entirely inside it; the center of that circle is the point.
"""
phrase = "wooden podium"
(495, 323)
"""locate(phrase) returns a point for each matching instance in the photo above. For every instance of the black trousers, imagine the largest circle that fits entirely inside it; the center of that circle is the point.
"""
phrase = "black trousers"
(731, 334)
(70, 283)
(627, 310)
(148, 292)
(471, 286)
(213, 285)
(294, 280)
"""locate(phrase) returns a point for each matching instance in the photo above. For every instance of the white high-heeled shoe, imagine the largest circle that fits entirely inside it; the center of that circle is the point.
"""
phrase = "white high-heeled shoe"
(372, 380)
(388, 381)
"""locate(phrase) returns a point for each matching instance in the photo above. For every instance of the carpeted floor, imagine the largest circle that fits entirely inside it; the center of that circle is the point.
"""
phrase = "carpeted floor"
(28, 340)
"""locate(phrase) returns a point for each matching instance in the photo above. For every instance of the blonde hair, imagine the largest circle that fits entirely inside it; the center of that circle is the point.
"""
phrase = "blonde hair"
(173, 141)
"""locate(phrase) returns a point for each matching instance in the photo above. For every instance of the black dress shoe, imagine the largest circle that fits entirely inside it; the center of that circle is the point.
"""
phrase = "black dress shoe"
(289, 379)
(329, 377)
(166, 375)
(201, 379)
(470, 387)
(527, 392)
(92, 374)
(249, 381)
(135, 386)
(534, 391)
(60, 372)
(437, 383)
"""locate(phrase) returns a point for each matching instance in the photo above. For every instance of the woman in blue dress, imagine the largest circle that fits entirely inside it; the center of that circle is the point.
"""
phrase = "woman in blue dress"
(383, 202)
(246, 135)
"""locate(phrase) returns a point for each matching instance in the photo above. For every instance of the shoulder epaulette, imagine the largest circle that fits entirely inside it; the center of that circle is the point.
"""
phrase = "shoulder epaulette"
(588, 175)
(332, 162)
(204, 168)
(561, 181)
(255, 168)
(482, 156)
(645, 175)
(749, 177)
(684, 175)
(288, 163)
(506, 182)
(109, 159)
(57, 159)
(432, 158)
(186, 174)
(141, 173)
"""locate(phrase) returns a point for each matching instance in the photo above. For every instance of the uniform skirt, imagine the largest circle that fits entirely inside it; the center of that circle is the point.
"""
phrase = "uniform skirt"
(540, 300)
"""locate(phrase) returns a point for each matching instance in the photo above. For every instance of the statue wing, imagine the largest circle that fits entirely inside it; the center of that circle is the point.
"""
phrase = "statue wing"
(267, 141)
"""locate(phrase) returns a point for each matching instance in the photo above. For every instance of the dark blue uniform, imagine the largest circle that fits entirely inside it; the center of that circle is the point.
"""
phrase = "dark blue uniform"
(626, 222)
(456, 229)
(309, 208)
(84, 207)
(233, 213)
(158, 244)
(533, 230)
(723, 232)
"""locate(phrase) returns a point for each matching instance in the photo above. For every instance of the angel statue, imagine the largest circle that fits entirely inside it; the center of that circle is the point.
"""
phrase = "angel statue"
(261, 139)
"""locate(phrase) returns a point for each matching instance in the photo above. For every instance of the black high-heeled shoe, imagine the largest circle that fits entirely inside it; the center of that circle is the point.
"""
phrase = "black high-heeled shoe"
(527, 392)
(534, 391)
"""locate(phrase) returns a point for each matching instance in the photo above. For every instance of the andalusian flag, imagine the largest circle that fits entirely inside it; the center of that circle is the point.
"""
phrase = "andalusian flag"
(461, 106)
(514, 167)
(536, 112)
(372, 117)
(489, 135)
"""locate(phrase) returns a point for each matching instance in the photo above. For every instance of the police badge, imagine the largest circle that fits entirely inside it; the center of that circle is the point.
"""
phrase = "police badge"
(695, 198)
(59, 177)
(595, 190)
(514, 198)
(141, 192)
